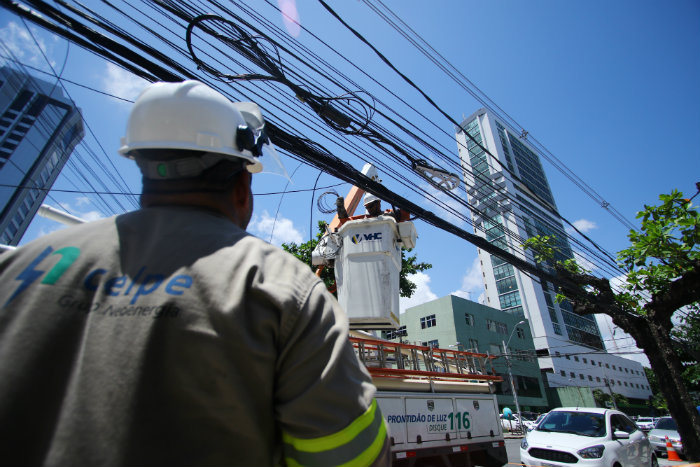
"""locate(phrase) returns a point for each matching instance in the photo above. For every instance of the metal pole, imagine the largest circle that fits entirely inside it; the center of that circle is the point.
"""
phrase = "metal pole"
(607, 383)
(510, 375)
(512, 387)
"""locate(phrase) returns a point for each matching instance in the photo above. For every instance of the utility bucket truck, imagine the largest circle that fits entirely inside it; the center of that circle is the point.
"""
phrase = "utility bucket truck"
(439, 404)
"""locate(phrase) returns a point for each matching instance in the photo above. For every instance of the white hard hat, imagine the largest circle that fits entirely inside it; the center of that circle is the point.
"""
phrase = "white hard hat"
(370, 198)
(193, 116)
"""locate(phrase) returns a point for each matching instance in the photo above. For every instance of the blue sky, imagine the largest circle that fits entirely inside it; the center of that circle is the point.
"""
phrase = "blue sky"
(610, 88)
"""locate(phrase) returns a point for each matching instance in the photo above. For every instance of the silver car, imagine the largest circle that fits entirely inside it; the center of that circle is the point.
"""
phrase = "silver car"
(666, 426)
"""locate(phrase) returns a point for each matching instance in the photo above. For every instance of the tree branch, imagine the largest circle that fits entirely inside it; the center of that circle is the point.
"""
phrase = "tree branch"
(588, 303)
(681, 292)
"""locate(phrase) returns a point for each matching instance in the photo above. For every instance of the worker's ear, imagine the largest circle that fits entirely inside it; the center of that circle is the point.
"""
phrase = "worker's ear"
(242, 198)
(242, 186)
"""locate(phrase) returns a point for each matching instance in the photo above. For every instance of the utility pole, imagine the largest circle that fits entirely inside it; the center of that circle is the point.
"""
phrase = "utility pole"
(607, 383)
(510, 374)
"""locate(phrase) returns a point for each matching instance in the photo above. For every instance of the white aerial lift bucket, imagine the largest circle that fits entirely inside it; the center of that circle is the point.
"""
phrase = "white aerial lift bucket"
(367, 269)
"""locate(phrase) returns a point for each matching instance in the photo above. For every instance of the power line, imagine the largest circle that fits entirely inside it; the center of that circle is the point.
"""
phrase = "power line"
(129, 193)
(450, 70)
(392, 148)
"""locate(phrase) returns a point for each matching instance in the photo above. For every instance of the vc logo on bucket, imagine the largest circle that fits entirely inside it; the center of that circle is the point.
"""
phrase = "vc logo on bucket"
(357, 238)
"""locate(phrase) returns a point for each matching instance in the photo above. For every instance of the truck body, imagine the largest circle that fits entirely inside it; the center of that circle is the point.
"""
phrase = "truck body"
(438, 403)
(443, 429)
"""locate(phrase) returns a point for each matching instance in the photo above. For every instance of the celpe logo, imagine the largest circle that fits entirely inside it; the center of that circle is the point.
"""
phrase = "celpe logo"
(357, 238)
(142, 283)
(31, 273)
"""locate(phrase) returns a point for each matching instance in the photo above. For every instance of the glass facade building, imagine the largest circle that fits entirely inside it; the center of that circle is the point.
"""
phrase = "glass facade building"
(511, 201)
(39, 128)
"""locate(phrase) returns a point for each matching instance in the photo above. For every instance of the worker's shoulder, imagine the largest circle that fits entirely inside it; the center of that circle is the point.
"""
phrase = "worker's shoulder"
(93, 231)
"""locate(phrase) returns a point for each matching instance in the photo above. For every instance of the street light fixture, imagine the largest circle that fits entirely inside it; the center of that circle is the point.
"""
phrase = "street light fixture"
(510, 375)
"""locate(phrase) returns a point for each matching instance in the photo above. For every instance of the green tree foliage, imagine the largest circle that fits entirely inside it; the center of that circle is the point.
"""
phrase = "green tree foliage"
(603, 399)
(662, 266)
(409, 263)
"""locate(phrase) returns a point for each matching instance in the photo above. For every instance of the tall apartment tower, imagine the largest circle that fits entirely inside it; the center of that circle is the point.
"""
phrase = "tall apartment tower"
(509, 210)
(39, 128)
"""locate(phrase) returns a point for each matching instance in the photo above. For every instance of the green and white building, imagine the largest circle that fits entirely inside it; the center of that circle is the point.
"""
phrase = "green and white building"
(453, 322)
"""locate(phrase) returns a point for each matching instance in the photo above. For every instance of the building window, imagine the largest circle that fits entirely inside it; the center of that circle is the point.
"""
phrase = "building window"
(491, 325)
(469, 319)
(495, 326)
(581, 376)
(509, 299)
(607, 366)
(590, 378)
(427, 322)
(396, 333)
(614, 367)
(433, 343)
(597, 378)
(473, 345)
(568, 357)
(563, 373)
(592, 363)
(558, 354)
(575, 359)
(520, 332)
(495, 349)
(572, 374)
(585, 360)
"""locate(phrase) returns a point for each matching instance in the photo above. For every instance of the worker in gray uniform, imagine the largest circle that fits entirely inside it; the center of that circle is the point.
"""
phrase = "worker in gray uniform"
(169, 335)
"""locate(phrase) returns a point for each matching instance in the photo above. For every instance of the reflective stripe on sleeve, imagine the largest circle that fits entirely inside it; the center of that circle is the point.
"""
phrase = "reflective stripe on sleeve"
(358, 444)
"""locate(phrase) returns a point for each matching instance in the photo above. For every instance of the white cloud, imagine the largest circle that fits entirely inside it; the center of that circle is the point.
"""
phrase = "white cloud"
(422, 293)
(80, 207)
(282, 230)
(20, 44)
(82, 201)
(91, 215)
(583, 225)
(119, 82)
(472, 284)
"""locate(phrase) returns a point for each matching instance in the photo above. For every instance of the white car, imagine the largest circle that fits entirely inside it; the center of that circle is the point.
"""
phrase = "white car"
(591, 437)
(645, 423)
(666, 427)
(510, 425)
(531, 425)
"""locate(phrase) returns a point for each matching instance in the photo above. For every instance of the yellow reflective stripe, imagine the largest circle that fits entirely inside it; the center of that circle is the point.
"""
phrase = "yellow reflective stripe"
(365, 458)
(371, 453)
(337, 439)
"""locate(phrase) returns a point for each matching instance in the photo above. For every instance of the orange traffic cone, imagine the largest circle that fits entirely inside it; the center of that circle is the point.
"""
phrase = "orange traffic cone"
(671, 453)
